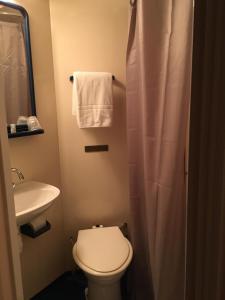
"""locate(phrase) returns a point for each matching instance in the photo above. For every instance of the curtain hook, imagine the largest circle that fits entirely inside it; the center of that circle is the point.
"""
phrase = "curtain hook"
(133, 3)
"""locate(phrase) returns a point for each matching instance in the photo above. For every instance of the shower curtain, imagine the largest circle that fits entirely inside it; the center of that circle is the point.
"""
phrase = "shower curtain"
(13, 70)
(158, 97)
(206, 196)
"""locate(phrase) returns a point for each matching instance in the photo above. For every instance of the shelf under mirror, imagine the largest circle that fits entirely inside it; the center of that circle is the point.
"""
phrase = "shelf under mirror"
(25, 133)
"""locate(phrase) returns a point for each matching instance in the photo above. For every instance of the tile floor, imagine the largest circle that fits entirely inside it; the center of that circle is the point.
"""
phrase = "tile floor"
(69, 286)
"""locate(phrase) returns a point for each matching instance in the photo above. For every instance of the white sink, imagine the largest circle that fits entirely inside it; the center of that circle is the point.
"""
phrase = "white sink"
(32, 198)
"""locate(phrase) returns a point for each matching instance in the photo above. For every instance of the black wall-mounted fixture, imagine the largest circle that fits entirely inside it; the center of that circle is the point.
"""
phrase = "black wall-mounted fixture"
(27, 230)
(96, 148)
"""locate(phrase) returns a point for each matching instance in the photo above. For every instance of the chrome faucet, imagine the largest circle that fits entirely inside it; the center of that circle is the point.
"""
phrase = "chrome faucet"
(19, 174)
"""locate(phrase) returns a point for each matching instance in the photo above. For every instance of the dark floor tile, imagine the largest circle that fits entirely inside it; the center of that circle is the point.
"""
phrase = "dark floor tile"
(69, 286)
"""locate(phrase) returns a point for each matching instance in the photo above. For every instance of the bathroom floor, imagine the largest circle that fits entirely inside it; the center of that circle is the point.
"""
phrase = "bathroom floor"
(69, 286)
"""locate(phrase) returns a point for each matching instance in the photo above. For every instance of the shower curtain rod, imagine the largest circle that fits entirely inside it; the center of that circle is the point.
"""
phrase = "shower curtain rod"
(71, 78)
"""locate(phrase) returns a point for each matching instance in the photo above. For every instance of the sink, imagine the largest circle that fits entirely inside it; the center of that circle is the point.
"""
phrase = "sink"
(33, 198)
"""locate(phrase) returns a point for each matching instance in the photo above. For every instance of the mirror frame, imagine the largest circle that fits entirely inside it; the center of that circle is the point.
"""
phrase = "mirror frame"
(26, 29)
(28, 51)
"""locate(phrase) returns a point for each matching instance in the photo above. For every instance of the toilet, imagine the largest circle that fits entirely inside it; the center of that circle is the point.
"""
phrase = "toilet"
(104, 255)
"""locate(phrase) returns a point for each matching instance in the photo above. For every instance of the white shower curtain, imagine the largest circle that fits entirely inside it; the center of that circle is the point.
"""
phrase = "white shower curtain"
(158, 97)
(13, 69)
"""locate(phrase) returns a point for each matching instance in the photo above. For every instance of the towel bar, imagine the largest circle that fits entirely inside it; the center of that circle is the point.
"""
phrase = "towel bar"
(71, 78)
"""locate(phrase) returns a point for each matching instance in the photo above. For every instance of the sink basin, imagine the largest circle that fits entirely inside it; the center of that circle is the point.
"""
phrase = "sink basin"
(32, 198)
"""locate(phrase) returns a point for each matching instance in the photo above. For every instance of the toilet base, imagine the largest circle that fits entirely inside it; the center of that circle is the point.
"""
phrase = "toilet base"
(98, 291)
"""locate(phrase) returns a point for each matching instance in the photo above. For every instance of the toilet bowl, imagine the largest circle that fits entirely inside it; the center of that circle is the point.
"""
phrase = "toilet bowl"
(104, 255)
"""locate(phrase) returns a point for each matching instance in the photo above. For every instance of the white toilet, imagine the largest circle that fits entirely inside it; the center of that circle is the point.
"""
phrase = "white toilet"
(104, 255)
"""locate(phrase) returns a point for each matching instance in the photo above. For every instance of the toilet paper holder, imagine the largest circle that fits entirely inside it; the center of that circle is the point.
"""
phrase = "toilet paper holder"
(28, 230)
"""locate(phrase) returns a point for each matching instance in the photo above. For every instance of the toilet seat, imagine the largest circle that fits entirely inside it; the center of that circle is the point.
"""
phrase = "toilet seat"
(102, 250)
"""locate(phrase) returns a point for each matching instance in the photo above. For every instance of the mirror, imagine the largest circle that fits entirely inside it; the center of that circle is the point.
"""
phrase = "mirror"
(16, 69)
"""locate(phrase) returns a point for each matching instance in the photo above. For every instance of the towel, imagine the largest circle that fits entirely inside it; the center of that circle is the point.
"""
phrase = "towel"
(92, 101)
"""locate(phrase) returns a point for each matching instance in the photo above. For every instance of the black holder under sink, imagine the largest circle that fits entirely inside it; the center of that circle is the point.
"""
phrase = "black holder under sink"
(27, 230)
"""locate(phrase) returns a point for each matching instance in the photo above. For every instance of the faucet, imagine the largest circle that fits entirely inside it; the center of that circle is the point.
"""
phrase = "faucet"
(19, 174)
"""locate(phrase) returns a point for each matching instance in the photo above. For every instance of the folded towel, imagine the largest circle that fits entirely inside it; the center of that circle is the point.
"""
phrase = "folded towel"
(92, 101)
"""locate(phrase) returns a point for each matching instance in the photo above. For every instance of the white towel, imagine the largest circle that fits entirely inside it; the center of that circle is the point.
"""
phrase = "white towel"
(92, 101)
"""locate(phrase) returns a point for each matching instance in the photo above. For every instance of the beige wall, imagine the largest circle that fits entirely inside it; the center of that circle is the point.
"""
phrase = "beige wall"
(10, 268)
(86, 35)
(90, 36)
(7, 282)
(38, 156)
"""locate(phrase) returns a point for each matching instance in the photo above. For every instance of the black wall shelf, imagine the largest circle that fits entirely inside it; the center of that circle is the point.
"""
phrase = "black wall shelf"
(25, 133)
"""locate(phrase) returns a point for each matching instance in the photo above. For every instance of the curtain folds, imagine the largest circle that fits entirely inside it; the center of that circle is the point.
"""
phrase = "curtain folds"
(206, 199)
(13, 70)
(158, 96)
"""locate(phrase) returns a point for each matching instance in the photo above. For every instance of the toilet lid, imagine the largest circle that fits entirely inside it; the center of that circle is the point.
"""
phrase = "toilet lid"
(102, 249)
